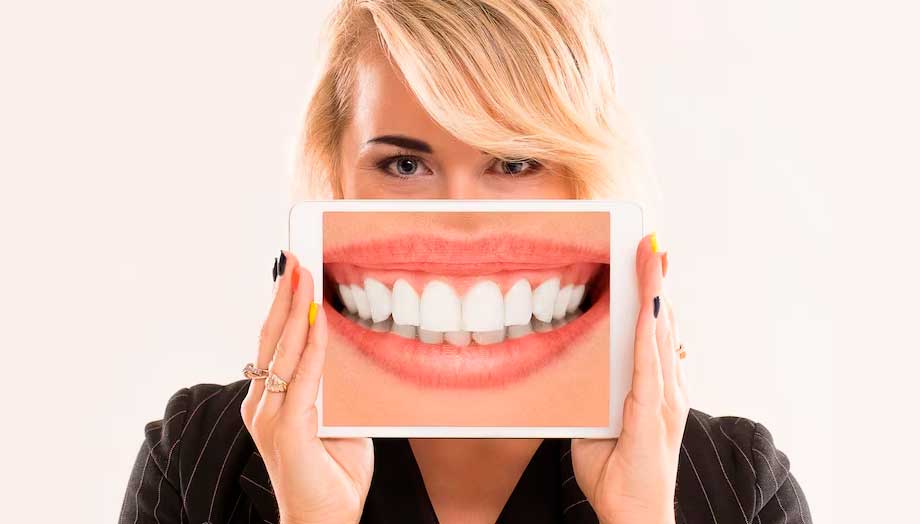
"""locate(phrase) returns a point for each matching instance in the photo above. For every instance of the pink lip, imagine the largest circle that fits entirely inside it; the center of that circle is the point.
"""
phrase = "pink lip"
(474, 366)
(463, 257)
(446, 366)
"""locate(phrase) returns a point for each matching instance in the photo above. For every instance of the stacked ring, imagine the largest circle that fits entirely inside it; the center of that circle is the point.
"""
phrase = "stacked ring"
(252, 372)
(275, 384)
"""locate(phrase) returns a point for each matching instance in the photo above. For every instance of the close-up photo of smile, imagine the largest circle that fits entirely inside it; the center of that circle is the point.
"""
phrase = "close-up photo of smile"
(507, 307)
(464, 313)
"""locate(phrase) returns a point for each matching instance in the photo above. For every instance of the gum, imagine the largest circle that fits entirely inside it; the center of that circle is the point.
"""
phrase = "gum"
(578, 273)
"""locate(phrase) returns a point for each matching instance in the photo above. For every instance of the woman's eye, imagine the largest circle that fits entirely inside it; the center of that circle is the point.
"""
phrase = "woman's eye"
(403, 166)
(517, 167)
(406, 166)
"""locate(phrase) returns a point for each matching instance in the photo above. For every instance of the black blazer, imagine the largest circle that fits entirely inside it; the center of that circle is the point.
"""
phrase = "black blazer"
(198, 464)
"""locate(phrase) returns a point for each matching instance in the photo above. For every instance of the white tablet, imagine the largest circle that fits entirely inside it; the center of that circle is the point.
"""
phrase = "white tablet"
(473, 318)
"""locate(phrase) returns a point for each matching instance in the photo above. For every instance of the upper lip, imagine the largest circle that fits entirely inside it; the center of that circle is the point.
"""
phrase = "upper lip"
(468, 256)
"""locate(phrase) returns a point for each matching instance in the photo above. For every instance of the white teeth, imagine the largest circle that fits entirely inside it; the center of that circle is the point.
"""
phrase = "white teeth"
(489, 337)
(483, 316)
(562, 301)
(382, 326)
(544, 299)
(457, 338)
(347, 298)
(578, 293)
(439, 308)
(403, 331)
(483, 307)
(430, 337)
(378, 295)
(405, 304)
(519, 331)
(361, 302)
(519, 304)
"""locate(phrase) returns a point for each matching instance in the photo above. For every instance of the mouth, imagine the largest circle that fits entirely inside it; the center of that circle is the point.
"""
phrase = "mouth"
(464, 313)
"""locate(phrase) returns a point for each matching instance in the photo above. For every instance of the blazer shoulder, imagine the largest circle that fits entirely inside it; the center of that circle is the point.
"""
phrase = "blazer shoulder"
(195, 415)
(183, 454)
(734, 463)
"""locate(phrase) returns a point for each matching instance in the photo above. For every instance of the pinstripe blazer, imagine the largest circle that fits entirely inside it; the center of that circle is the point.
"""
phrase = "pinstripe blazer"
(198, 464)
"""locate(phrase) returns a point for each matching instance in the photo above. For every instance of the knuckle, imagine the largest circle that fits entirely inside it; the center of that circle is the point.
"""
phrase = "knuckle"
(260, 422)
(663, 329)
(301, 371)
(246, 410)
(282, 348)
(264, 335)
(677, 405)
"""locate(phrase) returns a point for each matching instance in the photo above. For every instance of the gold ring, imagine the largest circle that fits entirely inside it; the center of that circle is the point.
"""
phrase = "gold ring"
(275, 384)
(681, 352)
(251, 371)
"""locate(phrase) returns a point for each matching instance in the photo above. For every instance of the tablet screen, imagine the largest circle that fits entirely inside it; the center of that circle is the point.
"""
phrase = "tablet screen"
(467, 318)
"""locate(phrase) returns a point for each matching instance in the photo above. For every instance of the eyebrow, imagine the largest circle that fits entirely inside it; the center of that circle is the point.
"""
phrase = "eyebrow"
(401, 141)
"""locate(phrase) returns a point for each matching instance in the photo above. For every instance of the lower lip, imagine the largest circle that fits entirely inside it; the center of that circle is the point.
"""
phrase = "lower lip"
(473, 366)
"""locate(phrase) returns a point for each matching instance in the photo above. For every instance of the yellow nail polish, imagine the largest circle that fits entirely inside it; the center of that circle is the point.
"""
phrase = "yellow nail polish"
(312, 315)
(654, 242)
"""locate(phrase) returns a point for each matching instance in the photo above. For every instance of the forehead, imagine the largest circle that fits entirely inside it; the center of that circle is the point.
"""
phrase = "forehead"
(384, 104)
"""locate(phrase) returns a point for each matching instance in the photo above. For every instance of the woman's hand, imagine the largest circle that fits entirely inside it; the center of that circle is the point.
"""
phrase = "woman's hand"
(314, 480)
(632, 478)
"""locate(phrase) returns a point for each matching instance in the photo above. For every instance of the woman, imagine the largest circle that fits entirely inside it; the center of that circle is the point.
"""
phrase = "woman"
(458, 99)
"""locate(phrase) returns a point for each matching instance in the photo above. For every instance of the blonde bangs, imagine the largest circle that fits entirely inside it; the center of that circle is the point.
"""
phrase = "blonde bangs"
(514, 78)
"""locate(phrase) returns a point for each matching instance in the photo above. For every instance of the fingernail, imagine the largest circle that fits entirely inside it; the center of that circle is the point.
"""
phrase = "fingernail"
(295, 279)
(659, 247)
(657, 303)
(275, 270)
(659, 243)
(282, 262)
(312, 315)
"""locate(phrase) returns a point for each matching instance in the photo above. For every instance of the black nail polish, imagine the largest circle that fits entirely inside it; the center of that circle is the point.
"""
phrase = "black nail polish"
(275, 270)
(657, 303)
(281, 263)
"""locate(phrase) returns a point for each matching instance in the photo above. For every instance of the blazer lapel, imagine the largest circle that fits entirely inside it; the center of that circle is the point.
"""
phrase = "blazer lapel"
(255, 482)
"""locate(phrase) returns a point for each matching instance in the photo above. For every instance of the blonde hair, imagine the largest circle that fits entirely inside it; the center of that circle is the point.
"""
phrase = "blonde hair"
(514, 78)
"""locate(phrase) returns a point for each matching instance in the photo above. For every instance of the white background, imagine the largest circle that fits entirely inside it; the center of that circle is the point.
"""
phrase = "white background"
(145, 152)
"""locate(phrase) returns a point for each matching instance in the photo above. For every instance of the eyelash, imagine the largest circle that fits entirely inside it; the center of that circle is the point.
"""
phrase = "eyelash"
(385, 164)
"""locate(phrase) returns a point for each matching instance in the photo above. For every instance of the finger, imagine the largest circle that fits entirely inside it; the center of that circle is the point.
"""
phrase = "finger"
(292, 342)
(666, 351)
(301, 396)
(271, 329)
(647, 382)
(680, 375)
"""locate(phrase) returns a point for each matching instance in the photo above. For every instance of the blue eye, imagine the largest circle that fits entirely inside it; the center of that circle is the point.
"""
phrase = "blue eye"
(403, 166)
(406, 166)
